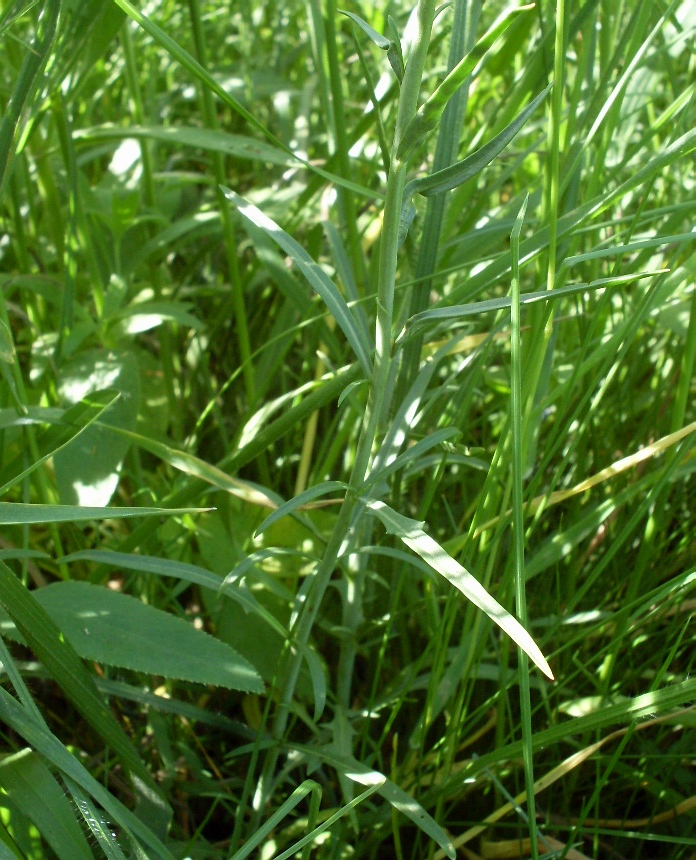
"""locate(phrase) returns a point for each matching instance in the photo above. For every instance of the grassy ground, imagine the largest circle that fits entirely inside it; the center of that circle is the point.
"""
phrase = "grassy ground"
(346, 435)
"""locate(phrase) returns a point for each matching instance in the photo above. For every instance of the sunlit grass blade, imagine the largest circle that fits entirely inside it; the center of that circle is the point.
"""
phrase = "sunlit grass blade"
(357, 337)
(412, 534)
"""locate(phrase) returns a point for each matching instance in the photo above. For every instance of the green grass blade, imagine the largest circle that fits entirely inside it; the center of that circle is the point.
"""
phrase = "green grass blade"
(412, 534)
(74, 421)
(430, 112)
(357, 337)
(44, 742)
(31, 785)
(12, 513)
(301, 499)
(34, 59)
(455, 175)
(196, 69)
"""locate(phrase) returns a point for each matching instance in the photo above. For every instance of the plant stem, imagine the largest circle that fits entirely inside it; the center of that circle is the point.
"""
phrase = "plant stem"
(408, 102)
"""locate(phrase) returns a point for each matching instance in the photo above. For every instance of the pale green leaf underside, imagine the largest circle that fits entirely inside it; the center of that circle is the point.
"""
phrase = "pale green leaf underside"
(118, 630)
(412, 534)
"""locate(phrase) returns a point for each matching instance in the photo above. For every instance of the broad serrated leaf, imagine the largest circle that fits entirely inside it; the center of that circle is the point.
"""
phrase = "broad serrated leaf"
(412, 534)
(119, 630)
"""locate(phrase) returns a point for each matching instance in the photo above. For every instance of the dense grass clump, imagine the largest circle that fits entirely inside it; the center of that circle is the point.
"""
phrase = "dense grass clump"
(346, 435)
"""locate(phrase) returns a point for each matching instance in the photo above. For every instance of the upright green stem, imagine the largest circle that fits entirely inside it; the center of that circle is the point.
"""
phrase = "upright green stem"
(408, 103)
(228, 230)
(518, 523)
(466, 14)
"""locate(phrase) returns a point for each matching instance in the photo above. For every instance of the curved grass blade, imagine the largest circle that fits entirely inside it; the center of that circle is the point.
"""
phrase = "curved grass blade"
(392, 47)
(474, 308)
(47, 744)
(34, 59)
(430, 112)
(30, 784)
(357, 337)
(74, 421)
(17, 514)
(412, 534)
(212, 140)
(455, 175)
(103, 833)
(51, 647)
(196, 69)
(299, 500)
(390, 791)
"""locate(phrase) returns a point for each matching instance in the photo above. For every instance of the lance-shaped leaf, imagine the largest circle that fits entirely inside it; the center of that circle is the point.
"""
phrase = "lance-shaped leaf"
(119, 630)
(391, 46)
(412, 534)
(456, 312)
(455, 175)
(429, 113)
(357, 337)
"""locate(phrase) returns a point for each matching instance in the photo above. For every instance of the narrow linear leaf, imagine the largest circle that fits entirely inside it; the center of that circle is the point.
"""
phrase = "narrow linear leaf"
(33, 788)
(17, 514)
(100, 828)
(390, 791)
(299, 500)
(276, 817)
(315, 275)
(198, 71)
(455, 175)
(189, 464)
(412, 534)
(430, 112)
(414, 453)
(47, 744)
(74, 421)
(474, 308)
(211, 140)
(379, 40)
